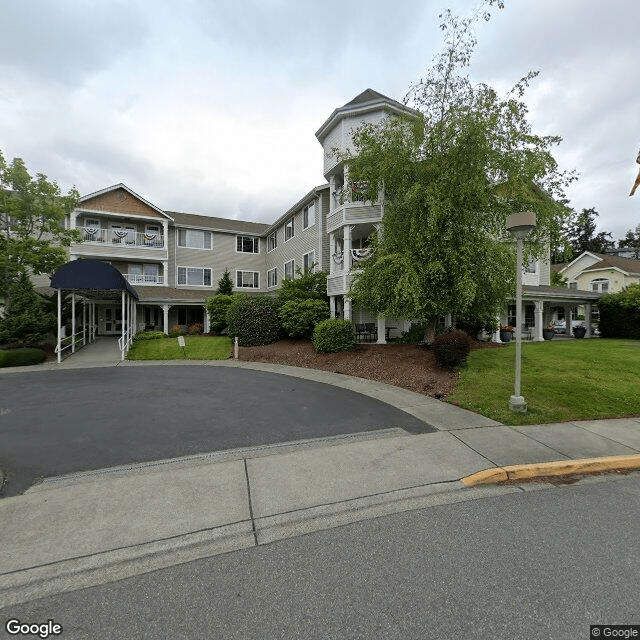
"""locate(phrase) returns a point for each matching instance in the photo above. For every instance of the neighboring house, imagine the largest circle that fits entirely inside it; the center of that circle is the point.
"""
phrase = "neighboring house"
(174, 260)
(601, 273)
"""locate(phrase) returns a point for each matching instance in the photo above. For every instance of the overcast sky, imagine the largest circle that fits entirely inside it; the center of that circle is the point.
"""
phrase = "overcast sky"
(211, 106)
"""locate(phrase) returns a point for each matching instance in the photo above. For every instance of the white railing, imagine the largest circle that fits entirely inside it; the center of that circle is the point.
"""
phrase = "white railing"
(68, 343)
(141, 278)
(122, 237)
(125, 340)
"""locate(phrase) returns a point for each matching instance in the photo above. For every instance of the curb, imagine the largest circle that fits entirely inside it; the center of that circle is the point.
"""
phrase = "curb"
(550, 469)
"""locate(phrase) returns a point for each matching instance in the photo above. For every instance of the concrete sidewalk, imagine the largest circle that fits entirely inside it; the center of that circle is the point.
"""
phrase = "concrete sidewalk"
(75, 531)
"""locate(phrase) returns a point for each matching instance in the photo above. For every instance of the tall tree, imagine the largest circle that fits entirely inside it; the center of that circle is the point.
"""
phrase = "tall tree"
(225, 285)
(450, 178)
(631, 239)
(581, 233)
(32, 233)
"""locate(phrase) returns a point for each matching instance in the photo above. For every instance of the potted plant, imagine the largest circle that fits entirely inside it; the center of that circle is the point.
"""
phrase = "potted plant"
(549, 331)
(579, 331)
(506, 333)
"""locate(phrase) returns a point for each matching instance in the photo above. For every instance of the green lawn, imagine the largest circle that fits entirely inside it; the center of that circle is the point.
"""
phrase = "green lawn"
(561, 380)
(196, 348)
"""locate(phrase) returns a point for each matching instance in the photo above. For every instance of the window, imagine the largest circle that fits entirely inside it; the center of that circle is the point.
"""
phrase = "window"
(247, 244)
(309, 260)
(272, 277)
(288, 229)
(272, 241)
(194, 239)
(194, 276)
(289, 268)
(600, 285)
(309, 215)
(532, 266)
(573, 285)
(247, 279)
(92, 223)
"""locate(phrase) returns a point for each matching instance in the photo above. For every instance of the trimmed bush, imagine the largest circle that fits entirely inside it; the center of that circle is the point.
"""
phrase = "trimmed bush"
(21, 357)
(414, 335)
(254, 320)
(218, 308)
(300, 317)
(451, 348)
(195, 329)
(176, 331)
(150, 335)
(620, 313)
(334, 335)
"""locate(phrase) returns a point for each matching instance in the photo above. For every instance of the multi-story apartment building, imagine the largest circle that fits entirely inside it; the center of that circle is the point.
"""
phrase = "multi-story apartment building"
(174, 260)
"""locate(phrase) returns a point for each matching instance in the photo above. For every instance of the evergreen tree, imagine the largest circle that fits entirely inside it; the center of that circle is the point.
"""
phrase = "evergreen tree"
(225, 284)
(25, 321)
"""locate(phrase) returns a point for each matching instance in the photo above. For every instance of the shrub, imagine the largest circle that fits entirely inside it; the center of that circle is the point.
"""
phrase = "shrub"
(414, 334)
(195, 329)
(254, 320)
(451, 348)
(20, 357)
(300, 317)
(225, 284)
(217, 308)
(310, 285)
(620, 313)
(176, 331)
(149, 335)
(473, 326)
(334, 335)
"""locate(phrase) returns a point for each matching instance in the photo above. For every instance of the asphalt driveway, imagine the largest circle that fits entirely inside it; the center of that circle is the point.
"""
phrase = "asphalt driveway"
(58, 422)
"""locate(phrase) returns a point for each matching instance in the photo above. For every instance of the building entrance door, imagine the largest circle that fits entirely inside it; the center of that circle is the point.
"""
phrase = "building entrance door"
(111, 321)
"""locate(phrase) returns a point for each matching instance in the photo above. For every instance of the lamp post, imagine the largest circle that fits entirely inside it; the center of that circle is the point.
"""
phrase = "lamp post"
(519, 225)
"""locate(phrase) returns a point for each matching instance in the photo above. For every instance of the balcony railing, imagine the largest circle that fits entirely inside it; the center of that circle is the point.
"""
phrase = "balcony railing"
(141, 278)
(121, 237)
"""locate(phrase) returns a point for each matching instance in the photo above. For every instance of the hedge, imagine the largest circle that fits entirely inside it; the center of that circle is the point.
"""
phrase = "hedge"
(451, 348)
(20, 357)
(620, 313)
(334, 335)
(300, 317)
(254, 320)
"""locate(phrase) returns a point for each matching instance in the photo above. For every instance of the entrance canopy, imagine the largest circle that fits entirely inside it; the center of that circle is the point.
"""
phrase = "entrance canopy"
(93, 278)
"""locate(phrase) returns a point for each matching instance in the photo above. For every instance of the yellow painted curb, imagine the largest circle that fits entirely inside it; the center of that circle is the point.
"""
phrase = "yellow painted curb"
(487, 476)
(549, 469)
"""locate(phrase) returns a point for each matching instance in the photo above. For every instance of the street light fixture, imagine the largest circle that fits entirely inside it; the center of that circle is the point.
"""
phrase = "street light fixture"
(519, 225)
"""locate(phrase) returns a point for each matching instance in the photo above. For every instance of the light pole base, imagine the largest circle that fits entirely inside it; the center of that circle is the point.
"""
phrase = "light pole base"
(518, 404)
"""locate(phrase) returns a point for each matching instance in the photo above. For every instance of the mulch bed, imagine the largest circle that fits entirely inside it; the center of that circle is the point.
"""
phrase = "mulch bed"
(408, 366)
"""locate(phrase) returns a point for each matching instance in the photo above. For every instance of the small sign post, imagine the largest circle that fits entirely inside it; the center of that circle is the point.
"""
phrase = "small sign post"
(235, 348)
(181, 343)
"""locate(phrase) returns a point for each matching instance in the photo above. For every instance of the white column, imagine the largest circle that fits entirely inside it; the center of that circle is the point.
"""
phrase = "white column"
(347, 248)
(122, 321)
(207, 322)
(539, 304)
(347, 308)
(567, 320)
(332, 251)
(332, 306)
(59, 328)
(165, 274)
(165, 319)
(165, 233)
(72, 220)
(84, 321)
(73, 322)
(382, 337)
(587, 319)
(332, 192)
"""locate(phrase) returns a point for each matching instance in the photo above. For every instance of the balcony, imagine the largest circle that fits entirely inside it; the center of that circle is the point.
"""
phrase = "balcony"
(353, 212)
(119, 243)
(144, 279)
(122, 237)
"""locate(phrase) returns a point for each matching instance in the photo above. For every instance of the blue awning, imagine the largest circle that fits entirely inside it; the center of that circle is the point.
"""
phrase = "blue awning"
(91, 277)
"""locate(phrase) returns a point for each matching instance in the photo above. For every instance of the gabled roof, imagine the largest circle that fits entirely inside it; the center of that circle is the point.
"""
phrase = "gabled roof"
(120, 185)
(628, 265)
(368, 100)
(217, 224)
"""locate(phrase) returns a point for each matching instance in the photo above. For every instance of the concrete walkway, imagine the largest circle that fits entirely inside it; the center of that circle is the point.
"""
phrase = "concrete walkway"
(89, 528)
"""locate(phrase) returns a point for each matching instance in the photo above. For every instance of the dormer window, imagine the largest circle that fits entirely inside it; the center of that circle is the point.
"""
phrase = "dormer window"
(600, 285)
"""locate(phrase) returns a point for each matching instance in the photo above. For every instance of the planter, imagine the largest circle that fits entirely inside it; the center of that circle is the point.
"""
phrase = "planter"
(506, 336)
(579, 332)
(548, 334)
